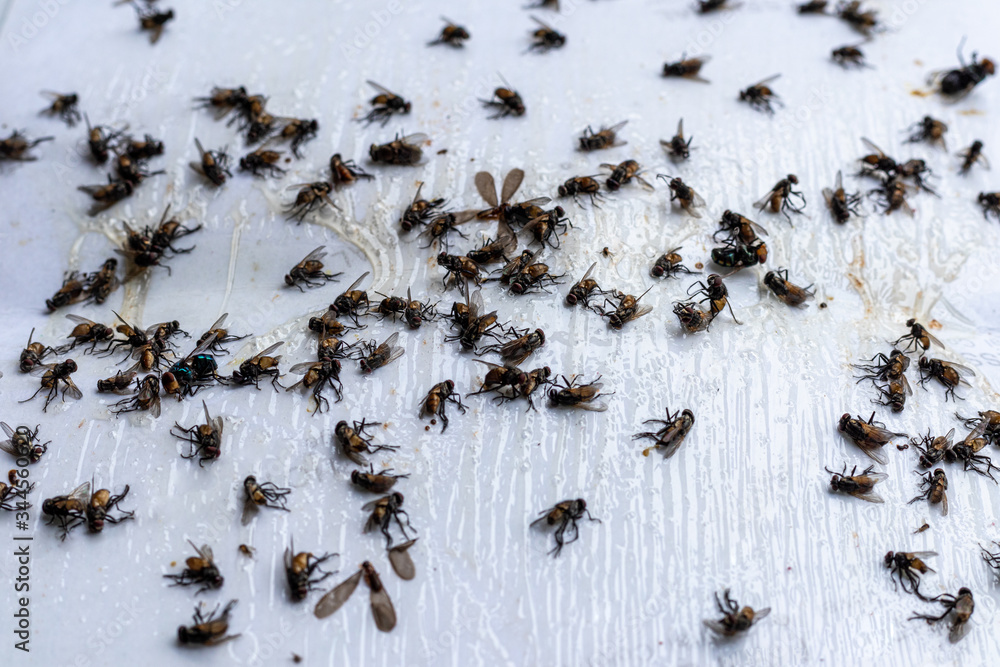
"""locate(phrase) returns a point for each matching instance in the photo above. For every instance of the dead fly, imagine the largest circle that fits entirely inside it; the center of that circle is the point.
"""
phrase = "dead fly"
(64, 106)
(516, 266)
(519, 349)
(792, 295)
(623, 173)
(52, 376)
(383, 512)
(486, 186)
(71, 291)
(779, 199)
(345, 172)
(846, 56)
(933, 449)
(566, 514)
(918, 338)
(247, 551)
(205, 439)
(220, 336)
(688, 199)
(400, 151)
(869, 436)
(402, 563)
(584, 289)
(607, 137)
(533, 276)
(201, 571)
(132, 171)
(298, 131)
(258, 366)
(473, 323)
(739, 228)
(101, 283)
(118, 384)
(300, 569)
(842, 204)
(350, 301)
(934, 487)
(376, 356)
(225, 100)
(626, 310)
(32, 354)
(69, 511)
(692, 318)
(99, 139)
(384, 105)
(23, 443)
(677, 148)
(708, 6)
(106, 196)
(716, 293)
(353, 441)
(16, 147)
(989, 421)
(545, 38)
(311, 196)
(891, 196)
(686, 68)
(671, 435)
(860, 486)
(416, 312)
(375, 482)
(86, 331)
(146, 399)
(865, 22)
(668, 265)
(990, 202)
(760, 97)
(142, 150)
(459, 270)
(262, 162)
(504, 380)
(14, 489)
(99, 509)
(214, 165)
(958, 83)
(962, 605)
(968, 450)
(907, 568)
(318, 375)
(734, 620)
(946, 372)
(894, 393)
(420, 211)
(877, 164)
(928, 130)
(442, 225)
(812, 7)
(505, 102)
(382, 610)
(437, 399)
(583, 395)
(452, 34)
(152, 20)
(495, 250)
(262, 494)
(581, 185)
(309, 271)
(208, 630)
(971, 156)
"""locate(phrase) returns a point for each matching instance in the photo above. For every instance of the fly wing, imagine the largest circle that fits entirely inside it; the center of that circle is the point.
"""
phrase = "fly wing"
(7, 429)
(250, 510)
(72, 390)
(415, 138)
(644, 310)
(357, 282)
(313, 256)
(416, 197)
(828, 194)
(475, 304)
(267, 351)
(303, 368)
(870, 496)
(381, 89)
(382, 610)
(868, 142)
(79, 320)
(765, 200)
(587, 274)
(511, 183)
(402, 564)
(487, 188)
(716, 626)
(618, 126)
(767, 80)
(593, 406)
(336, 598)
(81, 493)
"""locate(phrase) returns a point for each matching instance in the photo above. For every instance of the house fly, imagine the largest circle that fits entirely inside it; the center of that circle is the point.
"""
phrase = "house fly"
(258, 366)
(918, 338)
(117, 384)
(106, 196)
(102, 503)
(946, 372)
(452, 34)
(860, 486)
(686, 68)
(623, 173)
(64, 105)
(298, 131)
(147, 398)
(442, 225)
(869, 436)
(692, 318)
(865, 22)
(848, 56)
(957, 83)
(262, 162)
(68, 511)
(606, 137)
(545, 37)
(309, 271)
(934, 489)
(436, 400)
(734, 620)
(792, 295)
(52, 376)
(99, 140)
(22, 442)
(353, 441)
(383, 512)
(311, 196)
(842, 204)
(670, 436)
(626, 310)
(990, 203)
(677, 148)
(779, 198)
(505, 102)
(928, 130)
(16, 147)
(907, 567)
(420, 211)
(208, 630)
(316, 376)
(584, 289)
(345, 172)
(400, 151)
(582, 185)
(564, 516)
(583, 395)
(200, 570)
(760, 97)
(300, 571)
(220, 336)
(32, 354)
(86, 331)
(261, 494)
(668, 265)
(214, 165)
(971, 155)
(495, 250)
(688, 199)
(376, 356)
(716, 293)
(373, 482)
(384, 105)
(205, 440)
(961, 605)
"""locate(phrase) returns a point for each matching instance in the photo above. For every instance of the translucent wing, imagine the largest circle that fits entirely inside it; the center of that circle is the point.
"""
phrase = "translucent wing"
(767, 80)
(79, 320)
(381, 89)
(336, 598)
(314, 255)
(219, 322)
(475, 304)
(416, 138)
(590, 271)
(250, 510)
(868, 142)
(72, 390)
(81, 492)
(357, 282)
(267, 351)
(304, 367)
(511, 183)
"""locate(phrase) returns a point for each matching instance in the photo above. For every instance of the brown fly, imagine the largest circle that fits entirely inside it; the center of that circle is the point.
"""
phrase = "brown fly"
(117, 384)
(106, 196)
(345, 172)
(316, 376)
(353, 441)
(860, 486)
(584, 288)
(686, 68)
(928, 130)
(946, 372)
(842, 204)
(505, 102)
(420, 211)
(301, 570)
(68, 511)
(23, 443)
(864, 21)
(687, 198)
(565, 516)
(849, 56)
(384, 105)
(990, 203)
(64, 105)
(583, 395)
(32, 354)
(259, 366)
(716, 293)
(400, 151)
(792, 295)
(200, 570)
(760, 97)
(961, 605)
(208, 630)
(670, 436)
(16, 147)
(907, 567)
(262, 494)
(205, 440)
(623, 173)
(375, 355)
(779, 198)
(934, 489)
(309, 271)
(262, 162)
(310, 197)
(373, 482)
(677, 148)
(626, 310)
(971, 155)
(86, 332)
(214, 165)
(870, 436)
(54, 376)
(606, 137)
(452, 34)
(384, 511)
(146, 398)
(545, 37)
(735, 620)
(437, 399)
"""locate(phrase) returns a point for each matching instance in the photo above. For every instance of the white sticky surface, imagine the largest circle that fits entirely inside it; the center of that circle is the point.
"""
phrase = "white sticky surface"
(744, 503)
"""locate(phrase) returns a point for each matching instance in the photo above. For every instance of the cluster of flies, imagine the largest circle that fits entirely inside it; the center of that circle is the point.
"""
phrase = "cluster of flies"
(153, 350)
